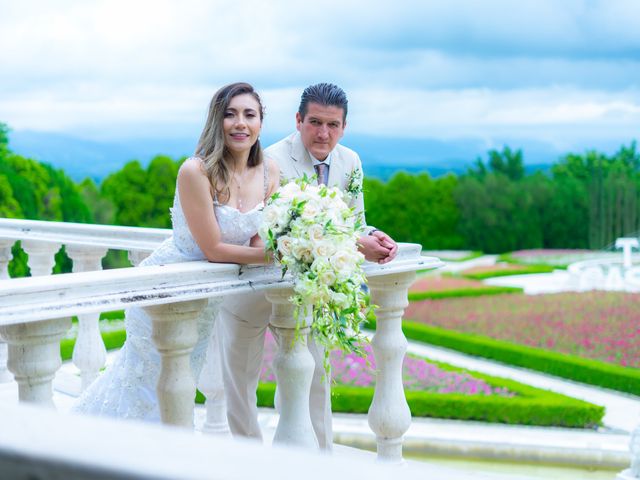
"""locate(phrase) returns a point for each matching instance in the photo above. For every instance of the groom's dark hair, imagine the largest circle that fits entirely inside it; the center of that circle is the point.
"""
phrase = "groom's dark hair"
(326, 94)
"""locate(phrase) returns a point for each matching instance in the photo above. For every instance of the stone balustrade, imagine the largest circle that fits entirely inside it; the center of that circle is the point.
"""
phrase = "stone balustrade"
(36, 313)
(86, 245)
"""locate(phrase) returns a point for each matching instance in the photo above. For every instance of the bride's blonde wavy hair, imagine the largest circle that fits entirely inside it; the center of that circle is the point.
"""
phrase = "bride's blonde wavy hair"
(211, 146)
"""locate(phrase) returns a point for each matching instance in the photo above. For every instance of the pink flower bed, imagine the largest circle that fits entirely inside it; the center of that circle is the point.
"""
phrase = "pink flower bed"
(598, 325)
(418, 374)
(443, 283)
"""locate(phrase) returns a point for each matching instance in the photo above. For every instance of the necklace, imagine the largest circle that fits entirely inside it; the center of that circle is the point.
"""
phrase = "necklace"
(239, 180)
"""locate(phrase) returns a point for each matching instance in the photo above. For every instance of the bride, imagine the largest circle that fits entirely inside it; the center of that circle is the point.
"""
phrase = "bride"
(216, 213)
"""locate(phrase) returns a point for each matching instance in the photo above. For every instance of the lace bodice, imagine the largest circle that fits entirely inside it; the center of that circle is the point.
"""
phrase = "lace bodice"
(236, 227)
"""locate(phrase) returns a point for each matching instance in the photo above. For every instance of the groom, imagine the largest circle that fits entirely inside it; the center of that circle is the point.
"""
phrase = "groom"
(313, 149)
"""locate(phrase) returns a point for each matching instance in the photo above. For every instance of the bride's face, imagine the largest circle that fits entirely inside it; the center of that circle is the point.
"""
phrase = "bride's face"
(242, 123)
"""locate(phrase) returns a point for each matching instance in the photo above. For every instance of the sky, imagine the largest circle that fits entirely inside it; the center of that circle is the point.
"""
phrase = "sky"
(564, 72)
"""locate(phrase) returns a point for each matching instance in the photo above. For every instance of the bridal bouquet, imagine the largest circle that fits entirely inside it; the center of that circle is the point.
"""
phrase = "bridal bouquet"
(312, 234)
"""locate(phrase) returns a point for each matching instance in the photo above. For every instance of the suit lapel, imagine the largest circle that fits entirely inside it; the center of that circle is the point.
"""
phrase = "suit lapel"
(335, 171)
(301, 160)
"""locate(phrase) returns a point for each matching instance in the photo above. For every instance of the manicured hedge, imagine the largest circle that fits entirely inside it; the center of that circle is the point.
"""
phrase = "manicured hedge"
(523, 270)
(583, 370)
(532, 406)
(462, 292)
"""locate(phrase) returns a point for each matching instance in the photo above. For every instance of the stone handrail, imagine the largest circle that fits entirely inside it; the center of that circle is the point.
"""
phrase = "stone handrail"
(36, 443)
(82, 234)
(35, 315)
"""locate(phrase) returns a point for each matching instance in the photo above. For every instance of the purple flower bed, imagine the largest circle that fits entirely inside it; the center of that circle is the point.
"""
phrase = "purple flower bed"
(418, 374)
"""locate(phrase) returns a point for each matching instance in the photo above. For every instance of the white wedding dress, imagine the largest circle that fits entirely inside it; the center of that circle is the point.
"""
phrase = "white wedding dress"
(127, 389)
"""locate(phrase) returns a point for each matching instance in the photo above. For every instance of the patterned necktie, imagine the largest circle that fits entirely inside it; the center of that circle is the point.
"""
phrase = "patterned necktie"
(322, 169)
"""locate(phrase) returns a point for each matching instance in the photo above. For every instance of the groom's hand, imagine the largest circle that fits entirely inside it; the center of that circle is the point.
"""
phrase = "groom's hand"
(387, 242)
(377, 247)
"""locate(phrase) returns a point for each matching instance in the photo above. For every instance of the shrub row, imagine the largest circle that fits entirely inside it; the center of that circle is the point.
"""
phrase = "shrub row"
(462, 292)
(523, 270)
(531, 406)
(583, 370)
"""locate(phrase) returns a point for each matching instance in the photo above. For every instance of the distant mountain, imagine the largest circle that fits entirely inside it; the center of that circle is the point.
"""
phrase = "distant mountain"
(381, 156)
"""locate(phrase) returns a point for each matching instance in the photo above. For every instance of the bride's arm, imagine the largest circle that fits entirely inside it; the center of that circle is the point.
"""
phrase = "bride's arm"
(274, 184)
(197, 204)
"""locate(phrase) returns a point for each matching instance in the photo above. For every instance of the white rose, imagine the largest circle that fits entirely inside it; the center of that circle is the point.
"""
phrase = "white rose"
(316, 233)
(323, 248)
(310, 210)
(302, 251)
(284, 245)
(270, 215)
(324, 270)
(327, 277)
(343, 263)
(341, 259)
(289, 191)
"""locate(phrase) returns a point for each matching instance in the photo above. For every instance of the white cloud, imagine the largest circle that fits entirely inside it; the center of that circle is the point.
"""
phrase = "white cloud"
(551, 114)
(114, 68)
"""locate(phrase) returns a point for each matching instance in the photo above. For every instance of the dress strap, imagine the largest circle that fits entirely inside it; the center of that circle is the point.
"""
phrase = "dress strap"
(266, 178)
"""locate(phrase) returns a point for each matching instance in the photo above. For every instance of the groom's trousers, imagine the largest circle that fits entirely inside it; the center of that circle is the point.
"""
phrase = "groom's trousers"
(243, 320)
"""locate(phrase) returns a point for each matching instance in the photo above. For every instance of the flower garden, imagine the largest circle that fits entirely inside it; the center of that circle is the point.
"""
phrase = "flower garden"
(602, 326)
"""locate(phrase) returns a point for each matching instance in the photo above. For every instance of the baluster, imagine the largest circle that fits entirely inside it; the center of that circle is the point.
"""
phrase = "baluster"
(175, 333)
(389, 414)
(89, 352)
(294, 368)
(137, 256)
(211, 384)
(41, 262)
(633, 472)
(5, 258)
(41, 256)
(34, 357)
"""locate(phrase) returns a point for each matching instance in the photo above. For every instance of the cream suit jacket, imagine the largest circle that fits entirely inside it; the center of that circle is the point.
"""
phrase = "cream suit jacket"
(294, 161)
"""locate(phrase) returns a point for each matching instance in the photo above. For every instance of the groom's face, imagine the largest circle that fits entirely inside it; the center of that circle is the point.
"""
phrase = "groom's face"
(321, 128)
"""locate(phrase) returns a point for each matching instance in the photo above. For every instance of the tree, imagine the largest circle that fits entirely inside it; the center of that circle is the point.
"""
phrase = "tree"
(101, 208)
(415, 208)
(142, 197)
(506, 162)
(9, 207)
